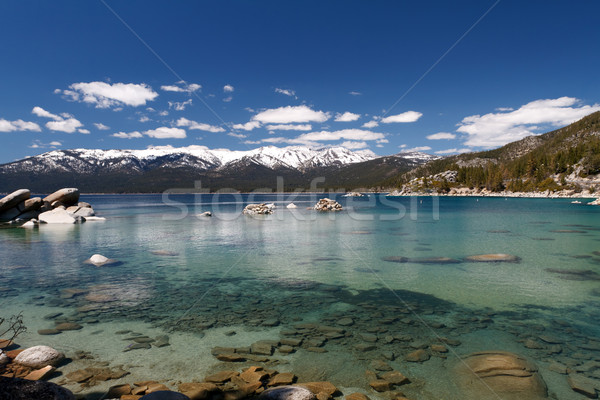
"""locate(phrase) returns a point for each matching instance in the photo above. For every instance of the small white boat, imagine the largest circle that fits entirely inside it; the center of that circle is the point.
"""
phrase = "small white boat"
(575, 202)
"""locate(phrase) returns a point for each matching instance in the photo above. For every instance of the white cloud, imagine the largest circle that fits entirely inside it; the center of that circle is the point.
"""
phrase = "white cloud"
(237, 135)
(453, 151)
(37, 144)
(380, 141)
(55, 143)
(228, 89)
(418, 148)
(166, 133)
(370, 124)
(84, 131)
(180, 106)
(408, 116)
(344, 134)
(181, 87)
(355, 145)
(402, 146)
(289, 127)
(441, 136)
(199, 126)
(106, 95)
(252, 142)
(228, 99)
(497, 129)
(163, 113)
(130, 135)
(353, 93)
(291, 114)
(100, 126)
(287, 92)
(18, 125)
(144, 118)
(346, 117)
(40, 112)
(248, 126)
(65, 123)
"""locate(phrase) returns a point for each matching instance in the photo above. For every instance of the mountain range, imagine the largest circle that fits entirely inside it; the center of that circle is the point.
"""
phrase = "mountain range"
(161, 168)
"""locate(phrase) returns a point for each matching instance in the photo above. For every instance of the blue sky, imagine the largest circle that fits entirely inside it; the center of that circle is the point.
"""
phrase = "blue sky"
(439, 76)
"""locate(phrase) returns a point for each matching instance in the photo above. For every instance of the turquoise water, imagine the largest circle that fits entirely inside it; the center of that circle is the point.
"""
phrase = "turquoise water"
(209, 276)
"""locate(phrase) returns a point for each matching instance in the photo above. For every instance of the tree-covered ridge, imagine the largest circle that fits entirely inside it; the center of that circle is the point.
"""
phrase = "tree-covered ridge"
(536, 163)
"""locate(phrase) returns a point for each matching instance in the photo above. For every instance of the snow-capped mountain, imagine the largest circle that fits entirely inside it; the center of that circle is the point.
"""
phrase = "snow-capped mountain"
(196, 157)
(163, 168)
(418, 156)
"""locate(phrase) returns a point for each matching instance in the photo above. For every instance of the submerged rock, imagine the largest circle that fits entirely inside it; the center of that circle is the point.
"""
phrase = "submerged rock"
(39, 357)
(287, 393)
(496, 257)
(205, 214)
(257, 209)
(328, 205)
(500, 374)
(23, 389)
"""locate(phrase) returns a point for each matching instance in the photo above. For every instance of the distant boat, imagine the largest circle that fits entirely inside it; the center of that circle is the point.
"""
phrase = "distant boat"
(575, 202)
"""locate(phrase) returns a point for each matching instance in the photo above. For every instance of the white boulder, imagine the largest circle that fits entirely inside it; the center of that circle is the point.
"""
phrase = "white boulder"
(92, 219)
(594, 203)
(328, 205)
(39, 357)
(99, 260)
(57, 216)
(205, 214)
(84, 212)
(353, 194)
(3, 358)
(291, 205)
(257, 209)
(67, 196)
(29, 224)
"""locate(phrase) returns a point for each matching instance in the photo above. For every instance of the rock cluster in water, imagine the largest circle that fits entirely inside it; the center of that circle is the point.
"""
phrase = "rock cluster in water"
(61, 207)
(258, 209)
(353, 194)
(328, 205)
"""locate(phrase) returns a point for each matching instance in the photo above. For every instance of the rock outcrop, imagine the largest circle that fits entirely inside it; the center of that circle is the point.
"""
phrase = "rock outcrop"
(328, 205)
(353, 194)
(499, 374)
(258, 209)
(61, 207)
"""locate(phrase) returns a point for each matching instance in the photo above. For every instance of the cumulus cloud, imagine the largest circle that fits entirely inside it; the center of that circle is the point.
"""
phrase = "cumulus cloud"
(228, 99)
(346, 117)
(441, 136)
(84, 131)
(18, 125)
(181, 87)
(497, 129)
(100, 126)
(354, 145)
(344, 134)
(106, 95)
(199, 126)
(125, 135)
(452, 151)
(62, 123)
(237, 135)
(370, 124)
(55, 143)
(166, 133)
(37, 144)
(418, 148)
(228, 89)
(248, 126)
(291, 114)
(408, 116)
(353, 93)
(289, 127)
(180, 106)
(286, 92)
(144, 118)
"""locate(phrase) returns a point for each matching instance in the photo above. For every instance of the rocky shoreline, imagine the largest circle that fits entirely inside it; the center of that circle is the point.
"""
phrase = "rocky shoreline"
(466, 192)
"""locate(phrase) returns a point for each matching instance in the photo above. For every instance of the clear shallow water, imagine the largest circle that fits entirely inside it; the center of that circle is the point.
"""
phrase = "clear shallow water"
(233, 272)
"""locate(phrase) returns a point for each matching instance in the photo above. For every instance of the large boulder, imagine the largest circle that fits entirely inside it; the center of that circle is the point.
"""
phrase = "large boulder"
(67, 196)
(257, 209)
(84, 212)
(499, 374)
(14, 198)
(328, 205)
(39, 357)
(57, 216)
(23, 389)
(30, 204)
(10, 214)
